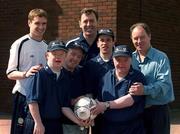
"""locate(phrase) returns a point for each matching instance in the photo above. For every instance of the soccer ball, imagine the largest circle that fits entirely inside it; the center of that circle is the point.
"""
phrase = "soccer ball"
(82, 108)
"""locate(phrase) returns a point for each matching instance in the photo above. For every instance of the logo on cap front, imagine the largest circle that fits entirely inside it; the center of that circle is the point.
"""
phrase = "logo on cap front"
(124, 50)
(54, 44)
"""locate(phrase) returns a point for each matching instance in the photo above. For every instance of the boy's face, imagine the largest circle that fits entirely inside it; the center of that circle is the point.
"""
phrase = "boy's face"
(55, 59)
(73, 58)
(105, 43)
(37, 26)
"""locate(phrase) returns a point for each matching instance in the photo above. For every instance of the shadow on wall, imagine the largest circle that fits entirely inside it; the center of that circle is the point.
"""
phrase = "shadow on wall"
(13, 25)
(53, 10)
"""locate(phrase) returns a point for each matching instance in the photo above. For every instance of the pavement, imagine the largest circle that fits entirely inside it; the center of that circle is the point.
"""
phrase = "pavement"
(175, 122)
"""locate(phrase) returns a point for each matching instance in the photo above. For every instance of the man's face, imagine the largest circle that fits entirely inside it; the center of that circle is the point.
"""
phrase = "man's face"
(55, 59)
(122, 64)
(73, 58)
(105, 43)
(88, 24)
(37, 26)
(140, 39)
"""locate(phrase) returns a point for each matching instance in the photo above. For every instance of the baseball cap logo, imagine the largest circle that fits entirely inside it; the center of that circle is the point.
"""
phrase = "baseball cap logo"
(120, 50)
(108, 32)
(54, 44)
(104, 31)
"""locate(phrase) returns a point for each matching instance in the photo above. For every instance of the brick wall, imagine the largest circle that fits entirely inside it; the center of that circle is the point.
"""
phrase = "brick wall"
(63, 23)
(11, 27)
(69, 20)
(13, 24)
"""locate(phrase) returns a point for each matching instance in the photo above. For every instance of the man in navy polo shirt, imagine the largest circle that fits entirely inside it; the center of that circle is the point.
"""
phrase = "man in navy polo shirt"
(74, 55)
(88, 37)
(121, 111)
(48, 94)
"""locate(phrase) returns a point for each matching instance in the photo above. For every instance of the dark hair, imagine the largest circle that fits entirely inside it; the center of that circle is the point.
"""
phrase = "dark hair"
(89, 11)
(37, 12)
(143, 25)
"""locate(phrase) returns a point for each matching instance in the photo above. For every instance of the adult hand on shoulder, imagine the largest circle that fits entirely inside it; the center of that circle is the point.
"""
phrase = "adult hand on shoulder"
(33, 70)
(136, 89)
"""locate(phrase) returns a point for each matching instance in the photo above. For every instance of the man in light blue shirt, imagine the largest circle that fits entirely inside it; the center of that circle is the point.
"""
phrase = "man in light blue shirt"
(154, 64)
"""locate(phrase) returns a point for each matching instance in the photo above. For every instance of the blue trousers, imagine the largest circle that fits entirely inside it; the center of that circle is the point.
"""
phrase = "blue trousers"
(156, 119)
(19, 113)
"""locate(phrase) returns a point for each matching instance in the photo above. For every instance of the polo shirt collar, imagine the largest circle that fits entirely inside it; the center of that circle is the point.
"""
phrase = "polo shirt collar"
(82, 39)
(100, 60)
(131, 72)
(50, 72)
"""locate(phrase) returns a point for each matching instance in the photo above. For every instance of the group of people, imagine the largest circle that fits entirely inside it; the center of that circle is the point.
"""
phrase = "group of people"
(132, 89)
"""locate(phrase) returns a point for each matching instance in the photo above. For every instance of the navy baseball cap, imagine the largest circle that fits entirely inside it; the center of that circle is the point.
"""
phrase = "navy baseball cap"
(108, 32)
(76, 44)
(122, 50)
(56, 45)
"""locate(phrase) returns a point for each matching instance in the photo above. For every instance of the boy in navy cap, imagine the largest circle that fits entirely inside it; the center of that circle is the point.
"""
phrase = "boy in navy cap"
(48, 94)
(96, 67)
(74, 55)
(99, 65)
(121, 111)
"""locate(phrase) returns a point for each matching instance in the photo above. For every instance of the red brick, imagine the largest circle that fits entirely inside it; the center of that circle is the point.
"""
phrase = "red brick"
(116, 14)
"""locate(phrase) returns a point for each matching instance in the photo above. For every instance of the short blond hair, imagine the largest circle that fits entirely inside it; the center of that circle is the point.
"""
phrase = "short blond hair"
(37, 12)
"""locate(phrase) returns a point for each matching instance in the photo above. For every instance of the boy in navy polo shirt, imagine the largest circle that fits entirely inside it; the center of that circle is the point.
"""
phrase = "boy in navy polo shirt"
(74, 55)
(48, 94)
(96, 67)
(122, 111)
